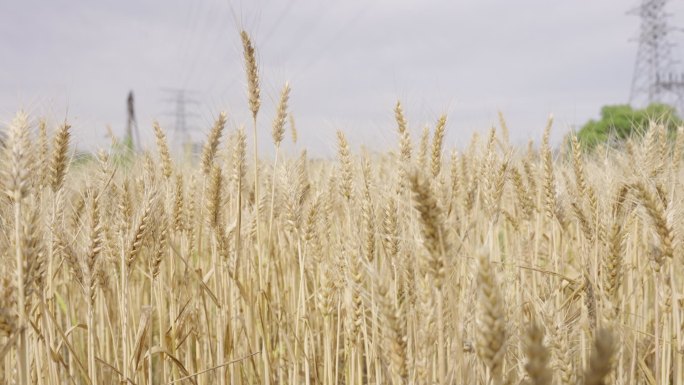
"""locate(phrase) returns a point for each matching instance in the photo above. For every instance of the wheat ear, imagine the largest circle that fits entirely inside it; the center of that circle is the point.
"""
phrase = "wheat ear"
(601, 360)
(163, 148)
(491, 332)
(211, 145)
(17, 191)
(537, 357)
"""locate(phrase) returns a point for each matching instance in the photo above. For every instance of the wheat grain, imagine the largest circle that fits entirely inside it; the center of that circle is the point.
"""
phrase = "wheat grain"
(600, 362)
(491, 333)
(281, 114)
(437, 144)
(163, 148)
(537, 357)
(212, 143)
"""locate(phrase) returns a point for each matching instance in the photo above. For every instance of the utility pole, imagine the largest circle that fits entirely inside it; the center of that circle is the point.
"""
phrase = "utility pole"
(132, 124)
(179, 97)
(654, 79)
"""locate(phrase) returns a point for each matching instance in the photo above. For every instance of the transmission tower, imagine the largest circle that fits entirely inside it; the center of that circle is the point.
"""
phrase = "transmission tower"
(654, 79)
(181, 131)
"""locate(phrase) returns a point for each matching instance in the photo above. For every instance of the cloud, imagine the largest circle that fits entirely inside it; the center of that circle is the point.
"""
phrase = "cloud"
(348, 62)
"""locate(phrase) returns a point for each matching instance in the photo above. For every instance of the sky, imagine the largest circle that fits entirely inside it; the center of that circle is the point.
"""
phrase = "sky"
(347, 62)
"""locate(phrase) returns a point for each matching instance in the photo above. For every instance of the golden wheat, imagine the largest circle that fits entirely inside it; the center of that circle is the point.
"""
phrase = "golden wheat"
(375, 268)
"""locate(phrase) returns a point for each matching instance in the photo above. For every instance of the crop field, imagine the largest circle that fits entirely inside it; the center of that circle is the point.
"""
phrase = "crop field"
(491, 264)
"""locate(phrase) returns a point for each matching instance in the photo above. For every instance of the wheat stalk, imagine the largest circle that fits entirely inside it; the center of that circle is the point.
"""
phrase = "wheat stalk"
(371, 271)
(163, 148)
(537, 357)
(600, 362)
(437, 144)
(491, 334)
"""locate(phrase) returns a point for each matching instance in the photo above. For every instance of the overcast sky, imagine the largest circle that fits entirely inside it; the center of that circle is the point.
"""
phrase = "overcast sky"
(347, 61)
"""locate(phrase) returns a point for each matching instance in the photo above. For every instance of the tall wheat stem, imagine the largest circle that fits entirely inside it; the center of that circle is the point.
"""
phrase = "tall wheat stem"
(21, 300)
(124, 312)
(256, 205)
(92, 367)
(273, 184)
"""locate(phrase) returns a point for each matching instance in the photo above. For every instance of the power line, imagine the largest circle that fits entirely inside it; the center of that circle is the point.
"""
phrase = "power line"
(210, 50)
(210, 35)
(189, 36)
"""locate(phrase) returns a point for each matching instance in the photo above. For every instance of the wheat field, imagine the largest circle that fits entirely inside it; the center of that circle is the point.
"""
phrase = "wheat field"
(494, 264)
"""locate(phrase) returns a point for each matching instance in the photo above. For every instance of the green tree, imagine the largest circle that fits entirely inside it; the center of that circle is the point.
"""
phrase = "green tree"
(619, 122)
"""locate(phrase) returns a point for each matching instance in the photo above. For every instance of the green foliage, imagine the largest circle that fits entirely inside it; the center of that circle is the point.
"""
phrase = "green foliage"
(123, 151)
(121, 154)
(619, 122)
(82, 159)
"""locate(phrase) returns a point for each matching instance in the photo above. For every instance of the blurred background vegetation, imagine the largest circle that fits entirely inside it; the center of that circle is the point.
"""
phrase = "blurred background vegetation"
(622, 121)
